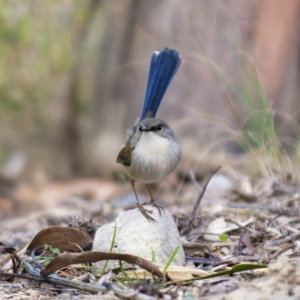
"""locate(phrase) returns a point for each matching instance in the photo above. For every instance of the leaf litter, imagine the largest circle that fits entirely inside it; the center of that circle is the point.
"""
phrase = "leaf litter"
(239, 238)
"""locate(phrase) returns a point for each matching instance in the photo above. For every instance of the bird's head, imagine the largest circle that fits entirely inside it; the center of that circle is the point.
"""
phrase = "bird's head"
(156, 126)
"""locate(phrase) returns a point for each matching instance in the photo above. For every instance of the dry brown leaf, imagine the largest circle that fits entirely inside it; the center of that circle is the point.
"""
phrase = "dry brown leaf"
(64, 238)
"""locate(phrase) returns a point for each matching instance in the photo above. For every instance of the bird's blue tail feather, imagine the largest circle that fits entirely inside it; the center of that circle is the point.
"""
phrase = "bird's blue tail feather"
(163, 67)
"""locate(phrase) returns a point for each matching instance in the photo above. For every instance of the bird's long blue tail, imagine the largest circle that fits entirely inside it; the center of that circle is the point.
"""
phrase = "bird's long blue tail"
(163, 67)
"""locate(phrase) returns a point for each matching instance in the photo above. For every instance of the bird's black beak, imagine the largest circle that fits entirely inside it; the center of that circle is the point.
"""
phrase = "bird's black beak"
(144, 129)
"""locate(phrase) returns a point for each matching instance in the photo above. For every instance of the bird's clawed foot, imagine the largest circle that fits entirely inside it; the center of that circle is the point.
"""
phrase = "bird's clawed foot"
(145, 212)
(155, 204)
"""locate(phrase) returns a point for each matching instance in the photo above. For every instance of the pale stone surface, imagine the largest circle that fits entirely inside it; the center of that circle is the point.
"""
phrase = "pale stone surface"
(137, 236)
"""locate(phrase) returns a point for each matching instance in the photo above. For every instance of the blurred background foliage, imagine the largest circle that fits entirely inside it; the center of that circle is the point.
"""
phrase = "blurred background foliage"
(73, 74)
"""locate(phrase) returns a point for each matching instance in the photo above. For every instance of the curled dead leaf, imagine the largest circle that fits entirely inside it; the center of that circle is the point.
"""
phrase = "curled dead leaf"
(64, 238)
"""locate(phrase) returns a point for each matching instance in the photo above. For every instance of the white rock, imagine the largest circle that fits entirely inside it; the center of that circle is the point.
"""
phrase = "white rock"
(137, 236)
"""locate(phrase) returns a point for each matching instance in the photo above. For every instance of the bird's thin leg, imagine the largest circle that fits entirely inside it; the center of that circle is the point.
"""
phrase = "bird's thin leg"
(138, 204)
(153, 202)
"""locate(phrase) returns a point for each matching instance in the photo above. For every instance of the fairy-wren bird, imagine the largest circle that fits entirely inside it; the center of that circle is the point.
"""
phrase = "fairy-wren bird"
(151, 151)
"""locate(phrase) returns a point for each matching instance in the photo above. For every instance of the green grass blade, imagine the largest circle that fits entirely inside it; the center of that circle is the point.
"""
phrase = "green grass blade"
(110, 250)
(170, 259)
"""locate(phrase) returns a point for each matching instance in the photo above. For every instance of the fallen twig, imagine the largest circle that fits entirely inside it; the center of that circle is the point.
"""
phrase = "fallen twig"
(34, 274)
(193, 214)
(67, 259)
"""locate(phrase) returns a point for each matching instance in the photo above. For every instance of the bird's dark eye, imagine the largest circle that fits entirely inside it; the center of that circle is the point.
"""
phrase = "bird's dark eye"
(159, 128)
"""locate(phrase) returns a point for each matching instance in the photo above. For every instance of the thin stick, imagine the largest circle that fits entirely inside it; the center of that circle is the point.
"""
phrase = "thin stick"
(193, 214)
